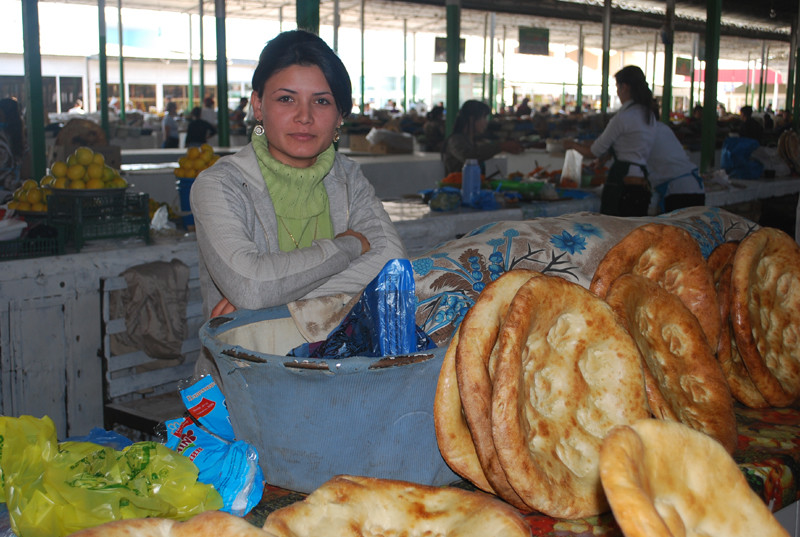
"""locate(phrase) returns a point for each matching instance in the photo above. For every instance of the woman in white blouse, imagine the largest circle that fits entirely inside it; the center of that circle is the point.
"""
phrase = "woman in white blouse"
(628, 139)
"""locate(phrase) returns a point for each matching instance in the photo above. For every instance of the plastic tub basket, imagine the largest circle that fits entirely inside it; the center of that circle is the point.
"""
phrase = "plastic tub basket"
(312, 419)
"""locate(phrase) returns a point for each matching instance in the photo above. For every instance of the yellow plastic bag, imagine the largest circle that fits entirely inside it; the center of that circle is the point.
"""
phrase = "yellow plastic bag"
(55, 489)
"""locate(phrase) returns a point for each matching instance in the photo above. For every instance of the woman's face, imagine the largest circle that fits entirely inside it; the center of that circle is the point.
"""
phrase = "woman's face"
(481, 124)
(299, 114)
(623, 92)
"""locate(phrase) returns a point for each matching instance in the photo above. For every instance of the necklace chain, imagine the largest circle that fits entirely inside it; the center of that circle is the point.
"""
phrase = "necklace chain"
(296, 242)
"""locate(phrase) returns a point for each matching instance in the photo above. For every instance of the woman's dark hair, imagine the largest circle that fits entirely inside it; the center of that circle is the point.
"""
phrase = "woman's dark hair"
(640, 91)
(196, 112)
(471, 111)
(13, 121)
(436, 113)
(299, 47)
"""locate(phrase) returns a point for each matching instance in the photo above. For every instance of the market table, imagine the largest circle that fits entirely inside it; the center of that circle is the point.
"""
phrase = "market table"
(741, 191)
(768, 455)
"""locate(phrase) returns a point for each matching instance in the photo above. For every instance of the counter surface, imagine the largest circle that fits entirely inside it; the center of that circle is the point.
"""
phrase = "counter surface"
(768, 455)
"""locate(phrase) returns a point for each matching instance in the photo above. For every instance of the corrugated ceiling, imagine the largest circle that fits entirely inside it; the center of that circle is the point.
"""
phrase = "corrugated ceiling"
(746, 24)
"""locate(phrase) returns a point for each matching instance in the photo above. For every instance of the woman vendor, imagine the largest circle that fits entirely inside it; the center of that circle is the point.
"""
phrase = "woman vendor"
(628, 138)
(674, 177)
(287, 217)
(467, 140)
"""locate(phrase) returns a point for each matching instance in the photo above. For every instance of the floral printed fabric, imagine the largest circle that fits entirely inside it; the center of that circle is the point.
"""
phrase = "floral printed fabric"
(449, 278)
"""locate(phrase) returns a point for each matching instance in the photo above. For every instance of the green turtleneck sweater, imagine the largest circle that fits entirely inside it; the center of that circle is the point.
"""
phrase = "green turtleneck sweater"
(298, 195)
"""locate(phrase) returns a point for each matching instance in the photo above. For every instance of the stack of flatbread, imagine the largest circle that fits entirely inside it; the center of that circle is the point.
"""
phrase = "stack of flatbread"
(537, 373)
(657, 280)
(541, 369)
(758, 284)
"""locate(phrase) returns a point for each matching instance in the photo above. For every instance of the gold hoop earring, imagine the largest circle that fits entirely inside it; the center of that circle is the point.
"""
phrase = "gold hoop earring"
(258, 130)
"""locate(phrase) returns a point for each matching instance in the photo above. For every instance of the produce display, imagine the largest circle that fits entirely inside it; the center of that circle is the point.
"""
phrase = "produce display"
(83, 170)
(195, 160)
(31, 196)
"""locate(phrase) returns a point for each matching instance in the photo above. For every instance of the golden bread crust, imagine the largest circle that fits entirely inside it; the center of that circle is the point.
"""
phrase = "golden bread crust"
(352, 506)
(478, 335)
(452, 432)
(736, 374)
(566, 372)
(675, 351)
(669, 256)
(664, 479)
(765, 312)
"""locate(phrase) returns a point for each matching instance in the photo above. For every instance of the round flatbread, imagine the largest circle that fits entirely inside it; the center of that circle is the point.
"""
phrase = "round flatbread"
(669, 256)
(720, 262)
(566, 372)
(664, 479)
(207, 524)
(736, 374)
(479, 331)
(452, 433)
(352, 506)
(765, 312)
(677, 355)
(720, 257)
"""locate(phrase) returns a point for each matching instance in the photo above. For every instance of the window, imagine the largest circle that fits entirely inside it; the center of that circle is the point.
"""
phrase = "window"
(142, 97)
(71, 91)
(179, 95)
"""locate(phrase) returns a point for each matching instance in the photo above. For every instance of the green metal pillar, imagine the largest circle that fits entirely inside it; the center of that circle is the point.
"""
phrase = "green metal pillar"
(491, 94)
(34, 115)
(452, 105)
(501, 87)
(579, 91)
(223, 125)
(201, 62)
(405, 65)
(668, 38)
(709, 138)
(791, 74)
(695, 46)
(122, 97)
(190, 61)
(763, 104)
(760, 103)
(795, 114)
(747, 83)
(308, 15)
(103, 61)
(484, 98)
(363, 54)
(606, 55)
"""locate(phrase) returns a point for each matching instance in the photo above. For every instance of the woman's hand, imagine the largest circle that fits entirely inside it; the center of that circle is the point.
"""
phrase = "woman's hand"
(223, 307)
(365, 247)
(511, 146)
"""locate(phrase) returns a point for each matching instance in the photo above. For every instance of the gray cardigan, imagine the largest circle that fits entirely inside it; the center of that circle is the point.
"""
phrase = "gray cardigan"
(237, 232)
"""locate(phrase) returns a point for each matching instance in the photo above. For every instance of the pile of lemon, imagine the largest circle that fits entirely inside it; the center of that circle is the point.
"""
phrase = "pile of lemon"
(195, 160)
(84, 169)
(30, 197)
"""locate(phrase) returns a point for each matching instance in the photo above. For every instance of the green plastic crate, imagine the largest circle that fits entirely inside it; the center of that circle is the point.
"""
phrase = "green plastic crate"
(25, 248)
(90, 215)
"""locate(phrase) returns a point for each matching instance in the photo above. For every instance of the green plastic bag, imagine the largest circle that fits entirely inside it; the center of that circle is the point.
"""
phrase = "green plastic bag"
(55, 489)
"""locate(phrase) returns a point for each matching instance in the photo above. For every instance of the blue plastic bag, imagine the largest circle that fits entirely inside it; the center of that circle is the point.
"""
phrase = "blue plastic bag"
(207, 439)
(735, 158)
(381, 323)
